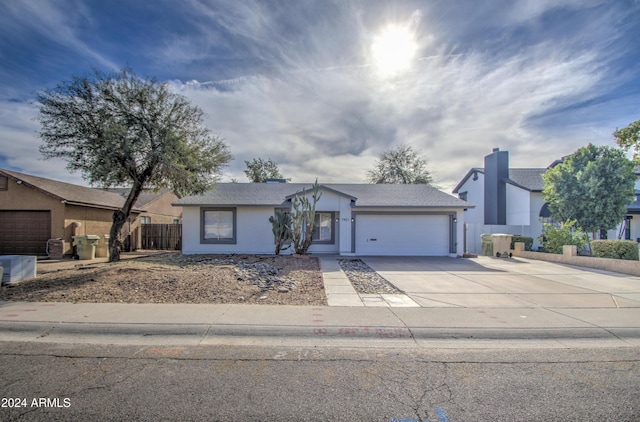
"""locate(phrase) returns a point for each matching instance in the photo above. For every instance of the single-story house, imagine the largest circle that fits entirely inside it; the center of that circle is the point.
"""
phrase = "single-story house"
(34, 210)
(351, 219)
(509, 200)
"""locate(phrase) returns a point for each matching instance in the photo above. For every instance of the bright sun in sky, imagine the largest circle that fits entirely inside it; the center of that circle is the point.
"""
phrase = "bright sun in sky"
(393, 50)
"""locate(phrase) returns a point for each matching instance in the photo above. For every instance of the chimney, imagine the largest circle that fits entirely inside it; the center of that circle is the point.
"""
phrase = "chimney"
(496, 171)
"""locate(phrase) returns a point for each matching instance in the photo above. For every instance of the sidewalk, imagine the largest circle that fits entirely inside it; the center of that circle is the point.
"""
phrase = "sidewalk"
(210, 324)
(347, 321)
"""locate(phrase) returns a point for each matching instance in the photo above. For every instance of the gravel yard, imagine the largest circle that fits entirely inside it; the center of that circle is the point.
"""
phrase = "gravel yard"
(177, 278)
(364, 279)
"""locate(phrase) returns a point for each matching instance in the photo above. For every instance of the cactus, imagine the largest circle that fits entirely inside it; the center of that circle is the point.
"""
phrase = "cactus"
(281, 227)
(303, 214)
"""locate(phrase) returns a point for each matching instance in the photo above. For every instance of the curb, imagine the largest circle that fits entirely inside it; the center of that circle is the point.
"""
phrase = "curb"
(193, 332)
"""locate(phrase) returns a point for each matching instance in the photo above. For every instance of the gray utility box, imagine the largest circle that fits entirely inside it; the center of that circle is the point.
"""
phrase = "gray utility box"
(17, 267)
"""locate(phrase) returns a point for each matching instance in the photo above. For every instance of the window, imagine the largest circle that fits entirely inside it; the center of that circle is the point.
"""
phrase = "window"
(545, 216)
(324, 227)
(463, 195)
(4, 183)
(218, 225)
(176, 221)
(145, 219)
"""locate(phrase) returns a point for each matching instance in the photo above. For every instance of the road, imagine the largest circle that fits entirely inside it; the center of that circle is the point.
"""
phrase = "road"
(289, 383)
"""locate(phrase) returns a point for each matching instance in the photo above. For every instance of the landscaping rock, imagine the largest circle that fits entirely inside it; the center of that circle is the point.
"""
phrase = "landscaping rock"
(364, 279)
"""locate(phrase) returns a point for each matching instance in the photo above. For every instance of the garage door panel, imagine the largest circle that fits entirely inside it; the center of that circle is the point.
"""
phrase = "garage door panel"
(402, 235)
(24, 232)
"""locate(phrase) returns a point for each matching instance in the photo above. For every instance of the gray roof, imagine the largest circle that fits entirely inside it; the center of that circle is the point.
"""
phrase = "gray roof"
(70, 193)
(362, 195)
(146, 196)
(529, 178)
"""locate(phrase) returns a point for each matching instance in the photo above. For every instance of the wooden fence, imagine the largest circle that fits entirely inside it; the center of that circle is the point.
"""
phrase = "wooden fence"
(161, 236)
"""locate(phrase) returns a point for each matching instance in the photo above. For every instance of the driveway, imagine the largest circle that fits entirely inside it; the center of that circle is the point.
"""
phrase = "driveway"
(487, 282)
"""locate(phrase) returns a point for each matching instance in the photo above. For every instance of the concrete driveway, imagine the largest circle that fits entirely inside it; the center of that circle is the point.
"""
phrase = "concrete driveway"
(487, 282)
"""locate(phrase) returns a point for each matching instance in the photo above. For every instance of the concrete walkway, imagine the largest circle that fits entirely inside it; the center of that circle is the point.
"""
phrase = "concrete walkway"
(340, 291)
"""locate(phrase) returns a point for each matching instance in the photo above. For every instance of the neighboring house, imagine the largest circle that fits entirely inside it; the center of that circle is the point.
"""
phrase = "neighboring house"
(509, 200)
(35, 209)
(157, 206)
(630, 228)
(351, 219)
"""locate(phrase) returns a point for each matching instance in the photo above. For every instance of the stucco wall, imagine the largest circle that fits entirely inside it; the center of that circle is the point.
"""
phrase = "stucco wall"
(253, 232)
(518, 206)
(19, 197)
(161, 211)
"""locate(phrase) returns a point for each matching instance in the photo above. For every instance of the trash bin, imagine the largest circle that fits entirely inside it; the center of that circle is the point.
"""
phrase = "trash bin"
(102, 248)
(487, 245)
(501, 244)
(86, 245)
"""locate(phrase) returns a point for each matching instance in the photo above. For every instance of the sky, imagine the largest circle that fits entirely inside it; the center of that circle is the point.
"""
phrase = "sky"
(324, 87)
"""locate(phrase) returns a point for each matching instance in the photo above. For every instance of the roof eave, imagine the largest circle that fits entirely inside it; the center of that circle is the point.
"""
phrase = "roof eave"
(415, 206)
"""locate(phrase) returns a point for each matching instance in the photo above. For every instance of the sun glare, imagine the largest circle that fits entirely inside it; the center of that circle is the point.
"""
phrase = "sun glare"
(393, 50)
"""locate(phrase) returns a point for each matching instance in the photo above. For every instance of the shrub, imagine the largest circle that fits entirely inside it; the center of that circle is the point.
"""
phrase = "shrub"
(616, 249)
(553, 238)
(528, 242)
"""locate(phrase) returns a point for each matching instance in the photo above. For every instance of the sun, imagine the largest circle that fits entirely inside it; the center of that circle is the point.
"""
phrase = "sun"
(393, 50)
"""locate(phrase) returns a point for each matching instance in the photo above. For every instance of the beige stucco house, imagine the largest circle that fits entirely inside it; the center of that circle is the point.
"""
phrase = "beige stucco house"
(34, 210)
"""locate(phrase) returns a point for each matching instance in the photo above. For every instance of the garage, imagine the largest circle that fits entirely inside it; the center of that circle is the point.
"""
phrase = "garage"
(24, 232)
(403, 234)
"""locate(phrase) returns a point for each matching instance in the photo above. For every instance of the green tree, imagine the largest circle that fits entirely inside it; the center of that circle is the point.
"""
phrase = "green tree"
(400, 165)
(628, 138)
(258, 170)
(592, 186)
(121, 130)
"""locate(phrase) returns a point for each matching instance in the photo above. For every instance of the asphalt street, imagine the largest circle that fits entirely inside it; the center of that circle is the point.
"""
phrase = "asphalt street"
(485, 340)
(250, 383)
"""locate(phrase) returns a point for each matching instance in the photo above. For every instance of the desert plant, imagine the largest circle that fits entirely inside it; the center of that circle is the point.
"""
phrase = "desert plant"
(616, 249)
(528, 242)
(303, 214)
(281, 228)
(554, 238)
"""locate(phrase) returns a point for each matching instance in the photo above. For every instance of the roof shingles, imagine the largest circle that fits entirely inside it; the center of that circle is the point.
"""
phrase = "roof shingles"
(363, 195)
(70, 193)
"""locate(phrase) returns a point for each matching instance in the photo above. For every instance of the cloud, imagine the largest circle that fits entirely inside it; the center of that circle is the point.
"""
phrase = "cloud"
(298, 83)
(60, 26)
(454, 109)
(20, 144)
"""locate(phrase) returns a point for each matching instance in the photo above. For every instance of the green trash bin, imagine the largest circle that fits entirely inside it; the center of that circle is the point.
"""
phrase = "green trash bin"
(86, 245)
(487, 245)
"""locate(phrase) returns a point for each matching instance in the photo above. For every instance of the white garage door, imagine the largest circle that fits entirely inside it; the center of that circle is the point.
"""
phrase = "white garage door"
(390, 234)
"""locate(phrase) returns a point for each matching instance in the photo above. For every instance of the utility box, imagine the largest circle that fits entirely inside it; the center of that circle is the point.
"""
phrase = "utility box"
(17, 268)
(102, 248)
(55, 248)
(86, 245)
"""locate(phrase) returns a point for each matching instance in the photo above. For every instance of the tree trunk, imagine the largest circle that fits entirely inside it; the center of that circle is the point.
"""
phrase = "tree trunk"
(119, 218)
(115, 243)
